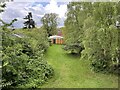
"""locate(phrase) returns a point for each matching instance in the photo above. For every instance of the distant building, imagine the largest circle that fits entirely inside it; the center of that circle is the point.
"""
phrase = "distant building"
(18, 35)
(55, 39)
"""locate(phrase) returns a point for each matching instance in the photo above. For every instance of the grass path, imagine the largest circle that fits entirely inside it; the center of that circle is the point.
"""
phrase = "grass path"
(71, 72)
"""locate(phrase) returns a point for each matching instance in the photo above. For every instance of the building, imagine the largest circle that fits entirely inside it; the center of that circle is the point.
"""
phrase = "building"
(55, 39)
(59, 32)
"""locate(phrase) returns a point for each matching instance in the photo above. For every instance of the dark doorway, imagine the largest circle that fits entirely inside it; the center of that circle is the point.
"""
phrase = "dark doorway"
(54, 41)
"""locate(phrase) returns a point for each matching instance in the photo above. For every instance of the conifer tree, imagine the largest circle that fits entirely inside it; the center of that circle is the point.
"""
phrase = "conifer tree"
(29, 23)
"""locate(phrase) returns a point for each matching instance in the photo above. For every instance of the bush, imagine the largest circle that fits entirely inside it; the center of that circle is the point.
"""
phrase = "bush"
(74, 48)
(23, 62)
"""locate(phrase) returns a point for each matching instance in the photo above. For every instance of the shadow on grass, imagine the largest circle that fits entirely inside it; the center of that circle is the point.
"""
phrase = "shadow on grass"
(72, 55)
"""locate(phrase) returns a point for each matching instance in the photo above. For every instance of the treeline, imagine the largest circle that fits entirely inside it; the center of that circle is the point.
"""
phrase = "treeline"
(91, 32)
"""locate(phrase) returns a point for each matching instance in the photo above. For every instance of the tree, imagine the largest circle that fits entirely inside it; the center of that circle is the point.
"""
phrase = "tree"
(92, 26)
(30, 23)
(77, 12)
(50, 23)
(101, 38)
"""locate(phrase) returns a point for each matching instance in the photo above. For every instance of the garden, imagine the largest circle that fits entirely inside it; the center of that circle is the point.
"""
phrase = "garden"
(87, 57)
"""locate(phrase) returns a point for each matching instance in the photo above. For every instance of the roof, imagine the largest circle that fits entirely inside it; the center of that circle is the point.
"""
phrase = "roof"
(55, 37)
(18, 35)
(117, 23)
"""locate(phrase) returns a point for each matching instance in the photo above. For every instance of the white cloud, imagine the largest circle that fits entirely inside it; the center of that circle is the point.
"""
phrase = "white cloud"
(53, 7)
(20, 9)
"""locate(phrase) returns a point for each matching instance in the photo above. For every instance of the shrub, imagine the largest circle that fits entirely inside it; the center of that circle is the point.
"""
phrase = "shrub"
(23, 62)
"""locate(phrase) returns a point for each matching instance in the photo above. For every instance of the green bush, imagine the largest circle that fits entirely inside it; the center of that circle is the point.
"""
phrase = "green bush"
(74, 48)
(23, 60)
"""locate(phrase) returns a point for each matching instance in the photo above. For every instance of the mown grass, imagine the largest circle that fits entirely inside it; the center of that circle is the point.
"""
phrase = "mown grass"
(71, 72)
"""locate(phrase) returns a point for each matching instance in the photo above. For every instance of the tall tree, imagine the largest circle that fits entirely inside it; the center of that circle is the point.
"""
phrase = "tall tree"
(93, 26)
(77, 12)
(50, 23)
(30, 23)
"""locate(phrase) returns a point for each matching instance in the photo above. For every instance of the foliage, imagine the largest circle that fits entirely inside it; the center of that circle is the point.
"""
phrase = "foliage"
(23, 59)
(93, 26)
(23, 63)
(5, 25)
(2, 6)
(74, 25)
(101, 41)
(50, 23)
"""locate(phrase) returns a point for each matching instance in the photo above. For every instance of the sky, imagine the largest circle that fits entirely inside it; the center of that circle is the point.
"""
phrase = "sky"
(19, 10)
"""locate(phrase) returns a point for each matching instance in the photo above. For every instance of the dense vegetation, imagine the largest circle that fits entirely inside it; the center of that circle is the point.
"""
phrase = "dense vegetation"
(90, 31)
(22, 58)
(23, 64)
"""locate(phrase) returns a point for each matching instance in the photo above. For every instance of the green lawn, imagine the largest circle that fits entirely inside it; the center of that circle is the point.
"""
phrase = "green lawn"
(71, 72)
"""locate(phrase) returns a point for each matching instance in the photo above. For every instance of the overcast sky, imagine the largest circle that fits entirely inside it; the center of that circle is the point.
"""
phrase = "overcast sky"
(20, 9)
